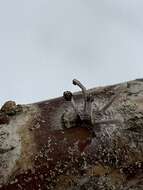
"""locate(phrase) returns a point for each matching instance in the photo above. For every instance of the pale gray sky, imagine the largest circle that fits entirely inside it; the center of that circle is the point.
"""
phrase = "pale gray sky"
(44, 44)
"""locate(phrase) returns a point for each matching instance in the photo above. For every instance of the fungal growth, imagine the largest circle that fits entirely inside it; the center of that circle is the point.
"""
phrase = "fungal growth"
(10, 108)
(86, 113)
(88, 140)
(77, 114)
(84, 92)
(69, 97)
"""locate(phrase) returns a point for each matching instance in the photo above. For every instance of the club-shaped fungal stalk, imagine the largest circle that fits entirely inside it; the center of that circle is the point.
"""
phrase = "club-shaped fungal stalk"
(85, 113)
(68, 96)
(88, 114)
(84, 92)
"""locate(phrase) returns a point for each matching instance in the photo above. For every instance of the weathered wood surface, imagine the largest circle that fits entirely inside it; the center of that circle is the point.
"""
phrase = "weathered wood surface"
(40, 148)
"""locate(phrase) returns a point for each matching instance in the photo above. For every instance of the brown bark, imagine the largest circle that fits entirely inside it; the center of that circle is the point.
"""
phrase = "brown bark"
(46, 145)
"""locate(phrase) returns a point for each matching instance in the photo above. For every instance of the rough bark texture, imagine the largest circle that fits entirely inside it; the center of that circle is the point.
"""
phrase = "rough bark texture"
(45, 146)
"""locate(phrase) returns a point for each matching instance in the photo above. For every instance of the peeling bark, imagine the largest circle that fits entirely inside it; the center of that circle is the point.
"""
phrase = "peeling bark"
(46, 145)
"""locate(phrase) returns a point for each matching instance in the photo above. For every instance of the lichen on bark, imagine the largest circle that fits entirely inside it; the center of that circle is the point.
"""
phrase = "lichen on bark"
(47, 146)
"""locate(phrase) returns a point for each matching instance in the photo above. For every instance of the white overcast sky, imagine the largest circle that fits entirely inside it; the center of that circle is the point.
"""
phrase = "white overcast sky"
(44, 44)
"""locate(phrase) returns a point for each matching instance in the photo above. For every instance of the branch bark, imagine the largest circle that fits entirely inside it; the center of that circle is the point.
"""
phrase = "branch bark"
(46, 145)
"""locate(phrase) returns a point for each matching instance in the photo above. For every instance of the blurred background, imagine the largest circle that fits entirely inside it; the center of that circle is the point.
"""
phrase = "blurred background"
(44, 44)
